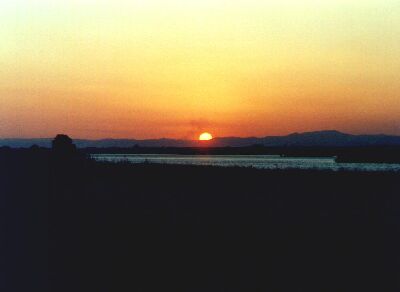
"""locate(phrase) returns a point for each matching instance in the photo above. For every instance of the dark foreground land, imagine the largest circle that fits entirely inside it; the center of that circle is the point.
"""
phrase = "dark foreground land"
(77, 225)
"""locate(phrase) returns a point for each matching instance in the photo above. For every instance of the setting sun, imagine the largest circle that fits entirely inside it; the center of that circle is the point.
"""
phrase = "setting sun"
(205, 137)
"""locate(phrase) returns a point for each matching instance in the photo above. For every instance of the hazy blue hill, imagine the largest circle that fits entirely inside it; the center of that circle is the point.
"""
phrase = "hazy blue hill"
(330, 138)
(236, 141)
(106, 143)
(25, 142)
(320, 138)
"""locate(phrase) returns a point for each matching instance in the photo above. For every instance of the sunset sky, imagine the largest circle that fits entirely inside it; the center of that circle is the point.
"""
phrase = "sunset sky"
(175, 68)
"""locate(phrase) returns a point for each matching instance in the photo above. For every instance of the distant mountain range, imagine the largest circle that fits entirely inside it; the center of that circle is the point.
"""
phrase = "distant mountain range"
(319, 138)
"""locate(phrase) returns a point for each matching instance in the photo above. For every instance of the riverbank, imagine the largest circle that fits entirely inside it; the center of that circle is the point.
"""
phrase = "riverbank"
(145, 227)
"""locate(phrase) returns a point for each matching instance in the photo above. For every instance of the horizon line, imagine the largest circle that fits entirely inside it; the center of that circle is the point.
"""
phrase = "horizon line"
(185, 139)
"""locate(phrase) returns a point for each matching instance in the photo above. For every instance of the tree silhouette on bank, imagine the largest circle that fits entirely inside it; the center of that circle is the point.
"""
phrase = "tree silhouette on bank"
(62, 145)
(67, 163)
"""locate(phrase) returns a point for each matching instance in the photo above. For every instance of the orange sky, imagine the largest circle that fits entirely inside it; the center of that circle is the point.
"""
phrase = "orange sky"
(150, 69)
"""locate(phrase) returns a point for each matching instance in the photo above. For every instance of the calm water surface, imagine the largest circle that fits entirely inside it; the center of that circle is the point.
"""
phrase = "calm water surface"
(256, 161)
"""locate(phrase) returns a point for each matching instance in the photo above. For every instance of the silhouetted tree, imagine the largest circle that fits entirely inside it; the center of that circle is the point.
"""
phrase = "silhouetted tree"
(62, 145)
(67, 164)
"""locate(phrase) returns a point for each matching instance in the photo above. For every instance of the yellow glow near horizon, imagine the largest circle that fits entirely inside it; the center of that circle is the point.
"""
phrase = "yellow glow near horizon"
(156, 68)
(205, 136)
